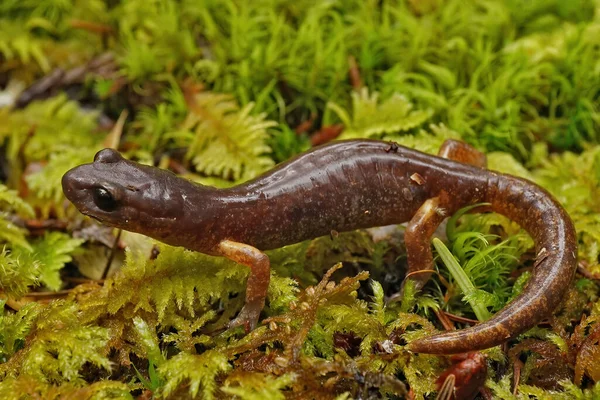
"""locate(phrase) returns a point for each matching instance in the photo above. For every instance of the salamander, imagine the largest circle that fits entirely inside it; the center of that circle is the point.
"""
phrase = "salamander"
(341, 186)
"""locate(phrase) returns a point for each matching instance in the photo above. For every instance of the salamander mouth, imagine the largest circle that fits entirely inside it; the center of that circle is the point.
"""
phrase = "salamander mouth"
(93, 216)
(88, 213)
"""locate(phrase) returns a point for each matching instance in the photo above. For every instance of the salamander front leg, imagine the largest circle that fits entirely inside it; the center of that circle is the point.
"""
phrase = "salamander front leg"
(462, 152)
(258, 280)
(417, 239)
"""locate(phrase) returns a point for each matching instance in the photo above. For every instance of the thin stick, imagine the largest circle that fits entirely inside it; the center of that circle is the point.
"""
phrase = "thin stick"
(111, 255)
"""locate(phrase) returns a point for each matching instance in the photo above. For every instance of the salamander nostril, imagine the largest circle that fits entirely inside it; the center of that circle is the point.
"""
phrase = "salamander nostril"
(67, 182)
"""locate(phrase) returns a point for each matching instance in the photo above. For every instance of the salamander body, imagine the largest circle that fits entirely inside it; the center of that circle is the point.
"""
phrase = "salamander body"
(340, 186)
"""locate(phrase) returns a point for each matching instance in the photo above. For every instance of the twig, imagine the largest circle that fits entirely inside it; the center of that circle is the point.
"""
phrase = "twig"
(111, 255)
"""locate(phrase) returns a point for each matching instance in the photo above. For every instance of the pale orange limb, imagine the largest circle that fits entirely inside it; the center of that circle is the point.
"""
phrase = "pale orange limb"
(432, 213)
(462, 152)
(417, 239)
(258, 280)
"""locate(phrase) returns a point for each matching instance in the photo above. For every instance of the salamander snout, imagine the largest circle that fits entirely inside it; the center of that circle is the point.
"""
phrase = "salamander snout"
(87, 188)
(72, 183)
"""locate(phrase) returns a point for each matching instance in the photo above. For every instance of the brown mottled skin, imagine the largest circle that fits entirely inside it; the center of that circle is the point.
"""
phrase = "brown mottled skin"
(340, 186)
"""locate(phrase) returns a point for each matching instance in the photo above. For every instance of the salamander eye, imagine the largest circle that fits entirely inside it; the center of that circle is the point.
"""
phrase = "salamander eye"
(104, 200)
(107, 156)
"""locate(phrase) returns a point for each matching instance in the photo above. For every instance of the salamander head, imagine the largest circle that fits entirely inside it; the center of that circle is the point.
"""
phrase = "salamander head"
(125, 194)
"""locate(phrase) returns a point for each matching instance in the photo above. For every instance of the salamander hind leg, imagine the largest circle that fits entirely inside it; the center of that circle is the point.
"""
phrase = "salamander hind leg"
(258, 280)
(417, 238)
(462, 152)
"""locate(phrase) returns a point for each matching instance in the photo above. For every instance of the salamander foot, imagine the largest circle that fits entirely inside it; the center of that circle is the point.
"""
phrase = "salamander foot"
(248, 317)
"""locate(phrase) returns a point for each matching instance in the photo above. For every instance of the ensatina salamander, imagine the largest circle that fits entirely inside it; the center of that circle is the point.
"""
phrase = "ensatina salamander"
(341, 186)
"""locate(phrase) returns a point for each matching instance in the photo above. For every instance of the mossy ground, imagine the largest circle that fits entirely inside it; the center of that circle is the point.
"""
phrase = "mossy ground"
(220, 91)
